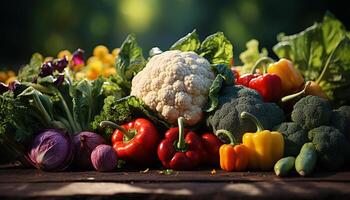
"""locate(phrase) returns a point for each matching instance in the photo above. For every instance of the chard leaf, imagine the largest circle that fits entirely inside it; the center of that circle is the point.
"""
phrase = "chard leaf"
(217, 49)
(129, 61)
(188, 43)
(311, 50)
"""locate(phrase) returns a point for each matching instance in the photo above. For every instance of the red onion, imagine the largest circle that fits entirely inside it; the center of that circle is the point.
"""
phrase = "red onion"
(104, 158)
(51, 150)
(85, 142)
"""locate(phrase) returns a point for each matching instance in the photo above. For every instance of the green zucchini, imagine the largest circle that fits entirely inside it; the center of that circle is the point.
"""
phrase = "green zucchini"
(284, 166)
(306, 160)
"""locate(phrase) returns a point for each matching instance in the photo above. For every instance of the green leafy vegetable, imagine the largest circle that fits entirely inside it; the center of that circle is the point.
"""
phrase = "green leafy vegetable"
(217, 49)
(129, 61)
(321, 52)
(190, 42)
(224, 77)
(31, 70)
(87, 101)
(251, 55)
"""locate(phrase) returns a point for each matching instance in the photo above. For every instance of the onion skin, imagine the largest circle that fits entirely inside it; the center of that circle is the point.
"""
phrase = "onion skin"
(104, 158)
(51, 150)
(85, 142)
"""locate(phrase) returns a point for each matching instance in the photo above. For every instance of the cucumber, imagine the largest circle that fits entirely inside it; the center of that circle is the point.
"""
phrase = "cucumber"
(284, 166)
(306, 160)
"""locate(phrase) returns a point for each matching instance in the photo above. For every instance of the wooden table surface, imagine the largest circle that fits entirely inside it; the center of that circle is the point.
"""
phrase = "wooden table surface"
(18, 183)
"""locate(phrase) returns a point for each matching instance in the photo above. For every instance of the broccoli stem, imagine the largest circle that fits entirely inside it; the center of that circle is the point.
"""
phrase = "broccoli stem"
(261, 61)
(259, 126)
(126, 133)
(227, 134)
(181, 144)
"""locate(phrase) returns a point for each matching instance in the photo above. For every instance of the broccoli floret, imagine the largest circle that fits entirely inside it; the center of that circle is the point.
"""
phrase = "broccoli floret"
(331, 146)
(233, 100)
(341, 120)
(311, 112)
(294, 137)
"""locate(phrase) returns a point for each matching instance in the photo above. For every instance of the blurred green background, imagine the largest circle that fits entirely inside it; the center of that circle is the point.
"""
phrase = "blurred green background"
(50, 26)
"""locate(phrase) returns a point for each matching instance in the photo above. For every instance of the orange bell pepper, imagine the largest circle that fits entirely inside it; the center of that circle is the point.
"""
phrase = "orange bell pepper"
(232, 157)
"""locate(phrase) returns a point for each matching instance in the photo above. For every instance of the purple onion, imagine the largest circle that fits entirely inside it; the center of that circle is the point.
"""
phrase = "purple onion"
(46, 69)
(51, 150)
(78, 57)
(104, 158)
(85, 142)
(60, 64)
(3, 88)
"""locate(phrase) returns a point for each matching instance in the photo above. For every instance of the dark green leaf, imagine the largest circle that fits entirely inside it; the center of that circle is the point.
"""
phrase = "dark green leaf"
(213, 93)
(217, 49)
(188, 43)
(129, 61)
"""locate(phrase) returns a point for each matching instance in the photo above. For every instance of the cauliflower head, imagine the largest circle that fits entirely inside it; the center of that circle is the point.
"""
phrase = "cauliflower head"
(175, 84)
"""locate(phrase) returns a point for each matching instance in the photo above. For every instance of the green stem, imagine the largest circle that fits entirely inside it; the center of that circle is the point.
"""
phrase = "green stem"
(325, 68)
(42, 110)
(76, 127)
(126, 133)
(259, 126)
(298, 94)
(227, 134)
(181, 144)
(261, 61)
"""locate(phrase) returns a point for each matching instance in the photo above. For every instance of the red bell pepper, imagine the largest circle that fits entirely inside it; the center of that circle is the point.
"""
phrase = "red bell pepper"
(269, 86)
(135, 142)
(245, 79)
(212, 145)
(181, 149)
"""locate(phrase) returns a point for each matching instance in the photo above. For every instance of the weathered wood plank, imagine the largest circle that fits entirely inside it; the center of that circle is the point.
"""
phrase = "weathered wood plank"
(37, 176)
(254, 190)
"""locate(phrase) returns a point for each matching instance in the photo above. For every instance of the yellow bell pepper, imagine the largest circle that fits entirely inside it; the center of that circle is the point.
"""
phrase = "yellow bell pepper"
(265, 148)
(291, 78)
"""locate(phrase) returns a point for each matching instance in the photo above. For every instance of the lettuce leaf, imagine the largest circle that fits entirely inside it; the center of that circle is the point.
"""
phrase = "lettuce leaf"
(129, 62)
(321, 53)
(190, 42)
(251, 55)
(216, 48)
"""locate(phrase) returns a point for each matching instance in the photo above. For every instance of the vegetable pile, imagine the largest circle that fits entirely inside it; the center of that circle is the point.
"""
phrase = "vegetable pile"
(184, 108)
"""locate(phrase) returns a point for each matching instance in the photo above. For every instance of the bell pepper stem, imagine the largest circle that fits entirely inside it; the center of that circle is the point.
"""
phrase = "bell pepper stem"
(298, 94)
(261, 61)
(259, 126)
(126, 133)
(181, 142)
(227, 134)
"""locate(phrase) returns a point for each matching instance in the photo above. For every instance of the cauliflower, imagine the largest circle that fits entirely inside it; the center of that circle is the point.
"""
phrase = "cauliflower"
(175, 84)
